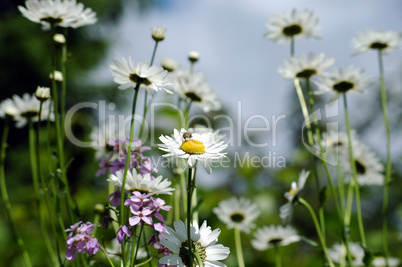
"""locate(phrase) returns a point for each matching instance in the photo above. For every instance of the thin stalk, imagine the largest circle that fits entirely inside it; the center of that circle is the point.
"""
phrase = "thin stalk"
(176, 195)
(6, 199)
(388, 164)
(318, 229)
(137, 247)
(354, 178)
(239, 251)
(64, 81)
(292, 46)
(341, 187)
(136, 89)
(278, 262)
(194, 200)
(304, 109)
(190, 187)
(107, 257)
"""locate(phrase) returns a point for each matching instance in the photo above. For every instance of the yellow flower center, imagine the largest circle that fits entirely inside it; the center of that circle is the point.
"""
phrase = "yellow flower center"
(291, 191)
(193, 147)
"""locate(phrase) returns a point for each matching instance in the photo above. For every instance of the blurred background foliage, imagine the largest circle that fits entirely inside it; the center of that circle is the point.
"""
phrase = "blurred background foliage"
(25, 64)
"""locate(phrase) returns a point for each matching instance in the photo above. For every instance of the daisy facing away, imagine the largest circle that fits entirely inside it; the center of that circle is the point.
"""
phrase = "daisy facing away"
(128, 75)
(268, 237)
(281, 28)
(193, 147)
(239, 213)
(384, 41)
(204, 244)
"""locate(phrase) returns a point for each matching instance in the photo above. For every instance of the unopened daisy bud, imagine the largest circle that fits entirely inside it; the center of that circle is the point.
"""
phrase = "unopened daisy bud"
(158, 33)
(169, 64)
(193, 56)
(42, 93)
(99, 208)
(58, 76)
(59, 38)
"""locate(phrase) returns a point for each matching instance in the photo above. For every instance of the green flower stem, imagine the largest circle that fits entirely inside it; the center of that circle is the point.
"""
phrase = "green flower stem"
(239, 251)
(278, 262)
(341, 187)
(64, 81)
(137, 247)
(107, 257)
(389, 163)
(194, 202)
(176, 207)
(59, 136)
(292, 46)
(190, 187)
(146, 95)
(183, 191)
(317, 226)
(122, 207)
(6, 199)
(199, 260)
(304, 109)
(354, 178)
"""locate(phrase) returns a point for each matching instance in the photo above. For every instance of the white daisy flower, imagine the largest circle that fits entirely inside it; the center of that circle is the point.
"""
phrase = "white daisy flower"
(158, 33)
(286, 210)
(368, 166)
(195, 88)
(169, 64)
(338, 253)
(127, 75)
(268, 237)
(297, 24)
(204, 244)
(385, 41)
(143, 183)
(63, 13)
(193, 147)
(305, 67)
(25, 109)
(341, 81)
(380, 262)
(202, 129)
(239, 213)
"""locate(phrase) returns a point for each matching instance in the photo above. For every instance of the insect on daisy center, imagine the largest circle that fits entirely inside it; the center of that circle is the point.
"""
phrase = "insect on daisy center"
(306, 73)
(237, 217)
(193, 96)
(193, 147)
(137, 79)
(292, 30)
(378, 45)
(343, 86)
(197, 248)
(360, 168)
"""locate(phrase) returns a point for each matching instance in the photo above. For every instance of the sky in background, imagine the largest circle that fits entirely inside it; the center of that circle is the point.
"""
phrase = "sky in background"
(239, 63)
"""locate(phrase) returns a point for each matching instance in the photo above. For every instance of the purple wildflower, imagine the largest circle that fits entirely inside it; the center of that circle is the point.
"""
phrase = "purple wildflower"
(79, 240)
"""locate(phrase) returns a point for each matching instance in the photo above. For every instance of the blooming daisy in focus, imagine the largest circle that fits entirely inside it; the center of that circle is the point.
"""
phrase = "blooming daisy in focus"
(368, 166)
(338, 253)
(142, 183)
(25, 109)
(193, 147)
(305, 67)
(286, 210)
(342, 81)
(63, 13)
(297, 24)
(237, 213)
(380, 262)
(204, 244)
(128, 75)
(268, 237)
(195, 89)
(384, 41)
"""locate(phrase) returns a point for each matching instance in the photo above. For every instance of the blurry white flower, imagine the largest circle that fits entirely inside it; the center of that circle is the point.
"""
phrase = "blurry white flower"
(42, 93)
(268, 237)
(169, 64)
(59, 38)
(204, 244)
(158, 33)
(25, 109)
(63, 13)
(298, 24)
(127, 75)
(115, 251)
(193, 56)
(286, 210)
(341, 81)
(385, 41)
(58, 76)
(338, 253)
(105, 132)
(193, 147)
(368, 166)
(195, 88)
(380, 262)
(305, 67)
(143, 183)
(237, 213)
